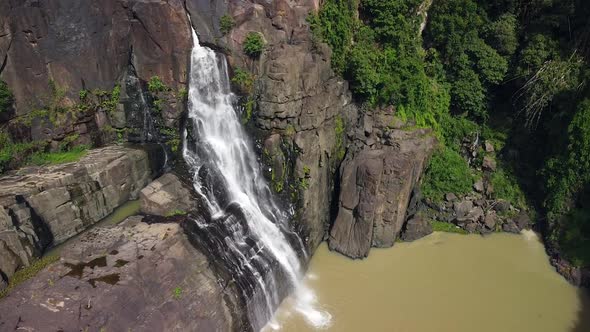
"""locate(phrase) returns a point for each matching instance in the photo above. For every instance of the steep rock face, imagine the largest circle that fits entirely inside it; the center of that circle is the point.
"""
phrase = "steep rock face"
(131, 277)
(377, 178)
(79, 71)
(88, 45)
(302, 107)
(43, 206)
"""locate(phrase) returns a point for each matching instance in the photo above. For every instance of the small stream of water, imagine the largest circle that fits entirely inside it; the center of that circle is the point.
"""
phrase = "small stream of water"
(444, 283)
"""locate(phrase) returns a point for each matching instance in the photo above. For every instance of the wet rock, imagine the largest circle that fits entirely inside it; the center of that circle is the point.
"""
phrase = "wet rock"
(478, 186)
(133, 276)
(510, 227)
(166, 196)
(47, 205)
(471, 227)
(416, 228)
(489, 163)
(523, 220)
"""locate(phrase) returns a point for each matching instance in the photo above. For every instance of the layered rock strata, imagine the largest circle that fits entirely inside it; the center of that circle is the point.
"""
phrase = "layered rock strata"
(45, 206)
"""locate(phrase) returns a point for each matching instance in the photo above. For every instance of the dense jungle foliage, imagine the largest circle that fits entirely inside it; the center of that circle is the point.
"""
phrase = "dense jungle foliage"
(512, 72)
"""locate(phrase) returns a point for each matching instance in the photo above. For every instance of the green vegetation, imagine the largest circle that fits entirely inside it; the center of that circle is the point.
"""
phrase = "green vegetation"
(507, 188)
(28, 272)
(574, 241)
(253, 44)
(339, 132)
(176, 212)
(244, 80)
(440, 226)
(505, 71)
(177, 293)
(156, 85)
(61, 157)
(6, 98)
(226, 24)
(446, 173)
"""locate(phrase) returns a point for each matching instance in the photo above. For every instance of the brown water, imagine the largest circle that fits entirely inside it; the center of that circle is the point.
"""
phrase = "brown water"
(443, 283)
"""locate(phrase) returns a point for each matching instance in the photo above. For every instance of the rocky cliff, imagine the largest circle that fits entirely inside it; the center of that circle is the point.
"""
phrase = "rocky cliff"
(377, 178)
(116, 70)
(45, 206)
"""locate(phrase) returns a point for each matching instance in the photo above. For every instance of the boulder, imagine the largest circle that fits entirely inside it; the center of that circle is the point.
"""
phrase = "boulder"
(450, 197)
(501, 206)
(489, 163)
(488, 147)
(416, 228)
(510, 227)
(490, 220)
(462, 208)
(470, 227)
(166, 196)
(523, 220)
(130, 277)
(475, 215)
(478, 186)
(44, 206)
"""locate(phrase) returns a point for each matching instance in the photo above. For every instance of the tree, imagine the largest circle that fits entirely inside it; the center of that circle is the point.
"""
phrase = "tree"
(502, 34)
(6, 98)
(253, 44)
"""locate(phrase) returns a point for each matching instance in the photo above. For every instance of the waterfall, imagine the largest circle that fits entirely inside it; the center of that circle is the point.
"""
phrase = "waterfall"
(244, 227)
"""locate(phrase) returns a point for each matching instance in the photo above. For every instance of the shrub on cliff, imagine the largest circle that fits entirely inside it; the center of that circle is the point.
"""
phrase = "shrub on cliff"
(226, 23)
(6, 98)
(447, 173)
(253, 44)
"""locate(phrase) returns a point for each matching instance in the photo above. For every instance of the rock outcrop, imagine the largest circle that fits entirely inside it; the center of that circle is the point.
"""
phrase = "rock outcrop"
(376, 183)
(131, 277)
(56, 40)
(45, 206)
(302, 106)
(166, 196)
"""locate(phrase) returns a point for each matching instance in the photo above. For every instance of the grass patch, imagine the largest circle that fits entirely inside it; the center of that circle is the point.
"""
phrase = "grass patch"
(506, 187)
(440, 226)
(447, 172)
(28, 272)
(176, 212)
(54, 158)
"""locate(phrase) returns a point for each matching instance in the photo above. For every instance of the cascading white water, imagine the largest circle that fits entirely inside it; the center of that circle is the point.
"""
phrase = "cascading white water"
(253, 235)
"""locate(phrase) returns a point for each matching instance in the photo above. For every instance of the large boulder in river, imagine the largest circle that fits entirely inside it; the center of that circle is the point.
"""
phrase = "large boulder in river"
(43, 206)
(166, 196)
(416, 228)
(131, 277)
(376, 185)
